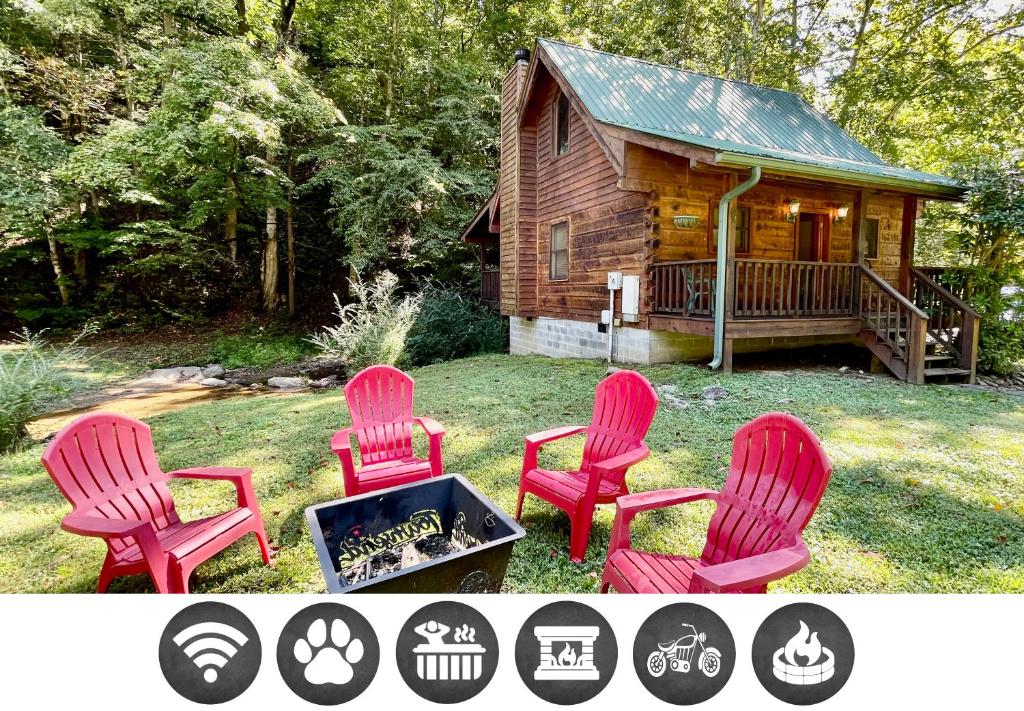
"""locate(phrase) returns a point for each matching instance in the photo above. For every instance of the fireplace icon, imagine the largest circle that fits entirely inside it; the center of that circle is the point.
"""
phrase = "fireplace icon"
(566, 654)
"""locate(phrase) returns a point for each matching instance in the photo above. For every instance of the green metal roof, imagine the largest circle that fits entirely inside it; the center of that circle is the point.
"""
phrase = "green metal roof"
(739, 121)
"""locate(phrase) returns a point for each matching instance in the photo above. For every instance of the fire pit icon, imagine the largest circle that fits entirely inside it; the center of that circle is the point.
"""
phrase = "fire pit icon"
(820, 663)
(559, 658)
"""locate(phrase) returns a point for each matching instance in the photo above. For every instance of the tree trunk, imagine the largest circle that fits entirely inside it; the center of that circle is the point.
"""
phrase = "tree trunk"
(231, 220)
(284, 25)
(243, 25)
(58, 270)
(268, 270)
(290, 236)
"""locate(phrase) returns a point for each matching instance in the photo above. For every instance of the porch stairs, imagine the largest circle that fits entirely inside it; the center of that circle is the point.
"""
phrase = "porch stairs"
(932, 336)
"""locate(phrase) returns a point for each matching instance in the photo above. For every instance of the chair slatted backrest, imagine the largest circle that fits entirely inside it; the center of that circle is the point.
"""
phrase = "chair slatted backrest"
(106, 465)
(776, 479)
(380, 404)
(624, 406)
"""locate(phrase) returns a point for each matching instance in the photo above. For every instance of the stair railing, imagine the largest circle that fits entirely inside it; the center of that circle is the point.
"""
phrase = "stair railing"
(951, 321)
(896, 322)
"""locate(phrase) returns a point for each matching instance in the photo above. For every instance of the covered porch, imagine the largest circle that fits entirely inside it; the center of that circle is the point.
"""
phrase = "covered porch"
(917, 328)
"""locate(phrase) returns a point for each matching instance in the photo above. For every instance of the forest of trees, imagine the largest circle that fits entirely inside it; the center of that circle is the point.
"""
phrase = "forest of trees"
(171, 159)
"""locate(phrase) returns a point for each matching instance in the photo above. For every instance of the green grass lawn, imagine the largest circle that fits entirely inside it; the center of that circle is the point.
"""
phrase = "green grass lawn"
(927, 494)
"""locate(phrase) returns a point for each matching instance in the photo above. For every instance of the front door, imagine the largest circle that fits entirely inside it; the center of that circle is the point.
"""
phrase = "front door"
(812, 237)
(812, 246)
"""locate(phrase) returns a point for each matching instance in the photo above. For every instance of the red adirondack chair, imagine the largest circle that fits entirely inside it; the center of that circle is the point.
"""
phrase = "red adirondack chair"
(624, 406)
(777, 477)
(106, 467)
(380, 404)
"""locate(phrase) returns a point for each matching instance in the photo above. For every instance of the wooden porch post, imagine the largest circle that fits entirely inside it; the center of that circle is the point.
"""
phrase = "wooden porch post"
(860, 216)
(907, 242)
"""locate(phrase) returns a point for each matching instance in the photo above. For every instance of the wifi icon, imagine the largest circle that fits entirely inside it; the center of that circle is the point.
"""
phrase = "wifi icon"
(220, 642)
(209, 646)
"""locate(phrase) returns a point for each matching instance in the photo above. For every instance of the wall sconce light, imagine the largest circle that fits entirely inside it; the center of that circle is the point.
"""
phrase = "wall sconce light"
(794, 210)
(841, 212)
(685, 221)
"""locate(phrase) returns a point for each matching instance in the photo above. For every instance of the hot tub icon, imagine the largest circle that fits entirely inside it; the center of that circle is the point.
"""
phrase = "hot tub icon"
(437, 660)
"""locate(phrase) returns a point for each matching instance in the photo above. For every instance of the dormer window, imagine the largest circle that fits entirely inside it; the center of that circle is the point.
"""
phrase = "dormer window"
(561, 125)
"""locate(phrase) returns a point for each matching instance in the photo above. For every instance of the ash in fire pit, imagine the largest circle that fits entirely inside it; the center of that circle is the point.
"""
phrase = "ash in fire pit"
(426, 545)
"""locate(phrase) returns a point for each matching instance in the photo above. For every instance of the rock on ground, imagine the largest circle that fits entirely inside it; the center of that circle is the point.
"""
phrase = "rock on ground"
(331, 381)
(714, 392)
(284, 383)
(213, 371)
(213, 382)
(670, 396)
(172, 376)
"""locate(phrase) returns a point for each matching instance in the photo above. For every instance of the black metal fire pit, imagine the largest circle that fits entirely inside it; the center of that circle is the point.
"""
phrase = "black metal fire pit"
(449, 537)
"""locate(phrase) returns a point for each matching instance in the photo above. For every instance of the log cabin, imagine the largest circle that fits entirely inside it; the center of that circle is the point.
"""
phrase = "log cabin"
(652, 214)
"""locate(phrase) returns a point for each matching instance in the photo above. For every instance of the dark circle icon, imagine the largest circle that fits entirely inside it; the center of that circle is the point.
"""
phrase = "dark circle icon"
(803, 653)
(210, 652)
(684, 654)
(566, 653)
(447, 652)
(328, 654)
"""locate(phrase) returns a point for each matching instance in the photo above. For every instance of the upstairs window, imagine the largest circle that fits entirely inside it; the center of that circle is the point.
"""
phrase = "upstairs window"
(871, 238)
(742, 229)
(562, 125)
(558, 267)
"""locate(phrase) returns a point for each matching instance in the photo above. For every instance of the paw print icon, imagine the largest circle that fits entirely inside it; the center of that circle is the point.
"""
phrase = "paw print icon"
(328, 654)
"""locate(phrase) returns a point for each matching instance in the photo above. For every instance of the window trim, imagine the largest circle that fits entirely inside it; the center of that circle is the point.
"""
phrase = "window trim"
(554, 125)
(878, 235)
(713, 237)
(551, 252)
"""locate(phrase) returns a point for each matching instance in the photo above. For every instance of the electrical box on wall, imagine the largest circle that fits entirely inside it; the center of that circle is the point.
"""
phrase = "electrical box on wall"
(631, 298)
(614, 280)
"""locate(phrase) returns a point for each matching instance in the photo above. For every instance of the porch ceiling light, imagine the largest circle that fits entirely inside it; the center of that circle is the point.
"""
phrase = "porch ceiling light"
(794, 210)
(841, 212)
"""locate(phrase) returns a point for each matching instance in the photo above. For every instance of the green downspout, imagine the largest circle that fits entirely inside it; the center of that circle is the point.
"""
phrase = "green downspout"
(723, 238)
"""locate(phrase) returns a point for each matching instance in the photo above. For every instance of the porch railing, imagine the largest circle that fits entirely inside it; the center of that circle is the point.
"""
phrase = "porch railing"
(490, 286)
(953, 279)
(764, 288)
(784, 289)
(685, 288)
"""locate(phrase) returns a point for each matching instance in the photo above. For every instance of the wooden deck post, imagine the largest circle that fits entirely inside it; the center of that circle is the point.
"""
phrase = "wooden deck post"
(860, 215)
(907, 243)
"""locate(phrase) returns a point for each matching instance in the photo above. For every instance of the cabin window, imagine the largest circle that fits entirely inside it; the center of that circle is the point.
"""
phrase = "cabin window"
(562, 125)
(871, 238)
(742, 229)
(559, 263)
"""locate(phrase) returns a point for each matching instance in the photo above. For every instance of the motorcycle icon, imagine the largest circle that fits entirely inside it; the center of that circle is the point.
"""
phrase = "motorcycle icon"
(677, 655)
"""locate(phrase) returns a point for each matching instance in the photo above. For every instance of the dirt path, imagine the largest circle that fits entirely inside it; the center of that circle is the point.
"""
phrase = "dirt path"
(141, 401)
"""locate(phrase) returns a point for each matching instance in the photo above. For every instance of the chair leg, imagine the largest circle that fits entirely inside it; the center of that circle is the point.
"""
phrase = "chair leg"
(579, 534)
(106, 574)
(179, 579)
(519, 503)
(261, 537)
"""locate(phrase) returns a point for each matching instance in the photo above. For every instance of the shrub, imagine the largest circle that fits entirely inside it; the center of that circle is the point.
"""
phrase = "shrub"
(451, 326)
(32, 376)
(372, 329)
(258, 350)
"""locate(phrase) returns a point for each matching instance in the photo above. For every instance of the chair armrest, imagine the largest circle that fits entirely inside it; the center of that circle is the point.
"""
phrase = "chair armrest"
(225, 473)
(623, 461)
(103, 527)
(342, 440)
(432, 427)
(627, 507)
(241, 477)
(754, 571)
(538, 438)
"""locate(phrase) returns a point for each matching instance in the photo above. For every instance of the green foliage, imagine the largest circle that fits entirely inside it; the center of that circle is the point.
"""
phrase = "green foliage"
(451, 326)
(29, 154)
(33, 375)
(373, 329)
(261, 349)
